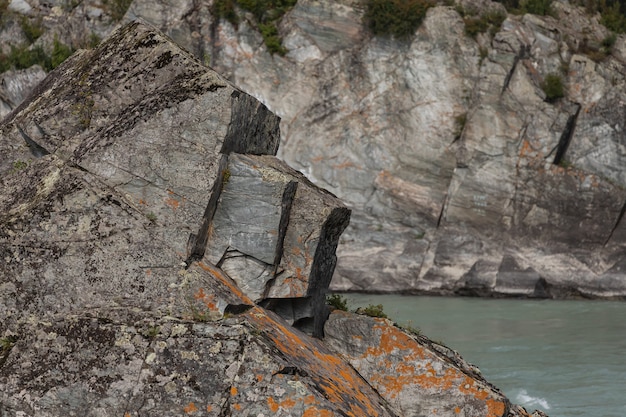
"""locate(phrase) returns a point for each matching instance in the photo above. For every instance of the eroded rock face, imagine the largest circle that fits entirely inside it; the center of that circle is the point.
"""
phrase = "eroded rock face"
(445, 140)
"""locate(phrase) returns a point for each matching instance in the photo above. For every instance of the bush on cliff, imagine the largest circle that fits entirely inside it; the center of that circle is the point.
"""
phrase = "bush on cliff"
(267, 13)
(553, 87)
(396, 18)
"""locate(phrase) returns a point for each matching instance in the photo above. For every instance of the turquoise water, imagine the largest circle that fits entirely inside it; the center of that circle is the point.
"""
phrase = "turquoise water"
(567, 358)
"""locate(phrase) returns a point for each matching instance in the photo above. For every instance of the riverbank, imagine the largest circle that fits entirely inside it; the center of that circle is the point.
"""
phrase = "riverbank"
(564, 357)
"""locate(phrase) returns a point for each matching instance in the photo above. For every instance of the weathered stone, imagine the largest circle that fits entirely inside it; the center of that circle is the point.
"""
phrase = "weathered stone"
(408, 372)
(16, 85)
(276, 234)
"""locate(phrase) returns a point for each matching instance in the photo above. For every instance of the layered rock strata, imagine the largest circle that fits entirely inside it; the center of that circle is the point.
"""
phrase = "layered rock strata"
(147, 233)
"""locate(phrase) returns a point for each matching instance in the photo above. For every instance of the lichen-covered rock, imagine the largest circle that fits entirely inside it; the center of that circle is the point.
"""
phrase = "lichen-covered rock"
(409, 372)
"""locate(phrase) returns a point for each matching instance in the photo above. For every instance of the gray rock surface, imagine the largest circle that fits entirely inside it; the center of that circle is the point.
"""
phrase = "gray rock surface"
(431, 142)
(444, 138)
(118, 176)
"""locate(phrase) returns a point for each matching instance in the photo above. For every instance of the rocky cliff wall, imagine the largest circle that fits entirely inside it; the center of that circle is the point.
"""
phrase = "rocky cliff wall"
(157, 259)
(462, 175)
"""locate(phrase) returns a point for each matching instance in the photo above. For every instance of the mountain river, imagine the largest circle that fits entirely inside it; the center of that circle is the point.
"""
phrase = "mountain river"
(567, 358)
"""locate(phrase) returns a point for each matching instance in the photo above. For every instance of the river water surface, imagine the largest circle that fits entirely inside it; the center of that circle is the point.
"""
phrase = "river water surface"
(567, 358)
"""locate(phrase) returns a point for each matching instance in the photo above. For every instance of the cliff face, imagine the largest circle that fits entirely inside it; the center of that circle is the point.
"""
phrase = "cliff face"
(157, 259)
(462, 175)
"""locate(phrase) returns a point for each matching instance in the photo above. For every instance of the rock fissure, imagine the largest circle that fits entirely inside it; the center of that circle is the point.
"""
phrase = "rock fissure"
(36, 149)
(198, 242)
(566, 136)
(618, 222)
(523, 53)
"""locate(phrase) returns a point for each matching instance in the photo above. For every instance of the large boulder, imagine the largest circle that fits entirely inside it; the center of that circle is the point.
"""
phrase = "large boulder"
(146, 234)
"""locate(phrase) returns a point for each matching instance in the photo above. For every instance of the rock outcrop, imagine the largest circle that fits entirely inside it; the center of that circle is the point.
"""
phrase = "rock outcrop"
(157, 259)
(456, 164)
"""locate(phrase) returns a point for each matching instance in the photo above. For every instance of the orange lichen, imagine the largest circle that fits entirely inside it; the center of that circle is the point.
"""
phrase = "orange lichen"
(233, 390)
(221, 277)
(457, 409)
(401, 362)
(272, 404)
(339, 382)
(209, 408)
(173, 203)
(190, 408)
(316, 412)
(237, 406)
(209, 300)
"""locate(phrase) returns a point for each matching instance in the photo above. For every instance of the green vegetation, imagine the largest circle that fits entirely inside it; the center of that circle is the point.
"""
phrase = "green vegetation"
(116, 8)
(19, 165)
(7, 343)
(373, 311)
(60, 53)
(476, 22)
(152, 217)
(337, 301)
(553, 87)
(538, 7)
(408, 326)
(267, 14)
(225, 176)
(396, 18)
(32, 31)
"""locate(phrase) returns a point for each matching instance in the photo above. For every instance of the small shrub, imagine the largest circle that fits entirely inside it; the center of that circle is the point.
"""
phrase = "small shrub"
(373, 311)
(32, 31)
(272, 39)
(225, 9)
(538, 7)
(60, 53)
(266, 13)
(553, 87)
(489, 21)
(152, 217)
(410, 328)
(396, 18)
(613, 18)
(337, 301)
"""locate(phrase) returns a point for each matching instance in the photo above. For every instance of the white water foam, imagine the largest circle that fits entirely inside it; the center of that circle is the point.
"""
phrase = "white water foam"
(530, 401)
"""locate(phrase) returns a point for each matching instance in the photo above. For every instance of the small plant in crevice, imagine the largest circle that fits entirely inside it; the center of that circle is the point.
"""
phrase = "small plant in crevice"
(408, 326)
(19, 165)
(553, 87)
(395, 18)
(564, 163)
(225, 176)
(7, 343)
(372, 311)
(152, 217)
(337, 301)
